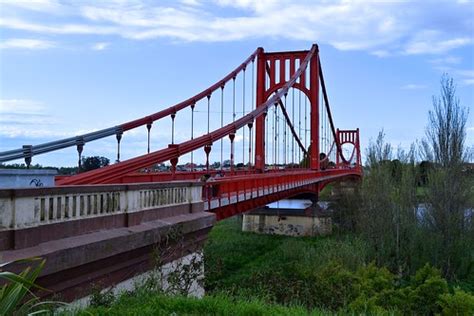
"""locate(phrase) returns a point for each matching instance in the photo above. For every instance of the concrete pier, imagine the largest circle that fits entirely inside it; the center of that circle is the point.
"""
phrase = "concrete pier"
(290, 218)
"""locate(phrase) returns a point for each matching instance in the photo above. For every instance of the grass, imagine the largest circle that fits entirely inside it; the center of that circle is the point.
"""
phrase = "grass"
(254, 274)
(152, 303)
(235, 259)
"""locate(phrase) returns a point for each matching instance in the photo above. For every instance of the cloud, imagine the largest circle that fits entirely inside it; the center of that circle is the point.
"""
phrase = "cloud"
(20, 107)
(433, 42)
(382, 28)
(50, 6)
(26, 43)
(191, 2)
(381, 53)
(100, 46)
(413, 86)
(451, 60)
(466, 76)
(16, 113)
(468, 82)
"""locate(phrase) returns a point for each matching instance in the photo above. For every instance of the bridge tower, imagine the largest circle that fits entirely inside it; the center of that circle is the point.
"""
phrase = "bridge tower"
(273, 72)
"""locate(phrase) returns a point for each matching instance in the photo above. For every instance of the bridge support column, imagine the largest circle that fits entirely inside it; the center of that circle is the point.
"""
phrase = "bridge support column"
(314, 100)
(260, 121)
(310, 220)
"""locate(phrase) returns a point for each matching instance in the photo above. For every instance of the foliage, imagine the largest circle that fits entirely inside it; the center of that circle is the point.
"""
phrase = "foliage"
(151, 303)
(61, 170)
(425, 289)
(331, 273)
(94, 162)
(458, 303)
(387, 213)
(446, 131)
(448, 188)
(101, 298)
(16, 297)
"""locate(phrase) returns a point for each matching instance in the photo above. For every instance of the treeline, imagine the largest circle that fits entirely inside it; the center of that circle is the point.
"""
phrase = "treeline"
(87, 164)
(412, 214)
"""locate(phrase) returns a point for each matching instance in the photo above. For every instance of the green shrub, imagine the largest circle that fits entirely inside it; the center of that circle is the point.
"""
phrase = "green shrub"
(101, 298)
(374, 280)
(425, 289)
(16, 297)
(335, 286)
(458, 303)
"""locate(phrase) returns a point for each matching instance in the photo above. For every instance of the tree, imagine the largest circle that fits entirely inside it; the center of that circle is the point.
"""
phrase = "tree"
(386, 216)
(448, 185)
(446, 131)
(94, 162)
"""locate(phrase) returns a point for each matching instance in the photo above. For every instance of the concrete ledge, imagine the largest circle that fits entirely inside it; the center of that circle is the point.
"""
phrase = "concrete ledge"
(75, 189)
(24, 178)
(31, 236)
(74, 264)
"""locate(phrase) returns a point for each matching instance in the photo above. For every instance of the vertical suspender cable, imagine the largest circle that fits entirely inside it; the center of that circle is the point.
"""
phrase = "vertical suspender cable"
(253, 84)
(208, 111)
(284, 134)
(267, 127)
(148, 127)
(243, 114)
(222, 124)
(250, 125)
(305, 123)
(253, 102)
(172, 127)
(277, 124)
(233, 99)
(299, 125)
(293, 121)
(273, 134)
(192, 134)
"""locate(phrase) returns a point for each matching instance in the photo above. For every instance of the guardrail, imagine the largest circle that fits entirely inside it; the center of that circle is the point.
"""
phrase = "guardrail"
(23, 208)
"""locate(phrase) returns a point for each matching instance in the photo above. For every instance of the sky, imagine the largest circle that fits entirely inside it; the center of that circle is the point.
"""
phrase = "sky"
(70, 67)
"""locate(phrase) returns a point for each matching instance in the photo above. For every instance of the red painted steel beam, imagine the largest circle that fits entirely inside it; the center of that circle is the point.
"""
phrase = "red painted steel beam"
(260, 121)
(315, 73)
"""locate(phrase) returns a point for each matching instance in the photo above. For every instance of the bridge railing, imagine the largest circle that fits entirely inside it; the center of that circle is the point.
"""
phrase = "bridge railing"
(32, 216)
(224, 191)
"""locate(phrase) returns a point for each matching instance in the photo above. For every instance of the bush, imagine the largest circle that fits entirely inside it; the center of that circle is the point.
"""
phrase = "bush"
(101, 298)
(458, 303)
(425, 289)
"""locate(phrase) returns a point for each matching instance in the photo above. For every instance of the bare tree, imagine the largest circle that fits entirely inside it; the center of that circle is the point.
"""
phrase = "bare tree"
(446, 131)
(448, 187)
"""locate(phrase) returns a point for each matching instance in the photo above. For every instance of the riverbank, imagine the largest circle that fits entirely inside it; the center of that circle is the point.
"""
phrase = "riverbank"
(247, 273)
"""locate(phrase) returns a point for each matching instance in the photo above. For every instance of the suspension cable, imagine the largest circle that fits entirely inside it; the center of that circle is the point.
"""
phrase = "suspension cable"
(233, 99)
(285, 139)
(299, 124)
(267, 144)
(305, 123)
(274, 136)
(277, 129)
(192, 134)
(243, 114)
(208, 113)
(222, 124)
(293, 120)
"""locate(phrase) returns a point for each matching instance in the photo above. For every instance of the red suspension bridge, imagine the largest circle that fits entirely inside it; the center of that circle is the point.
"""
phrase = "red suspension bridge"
(288, 137)
(269, 124)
